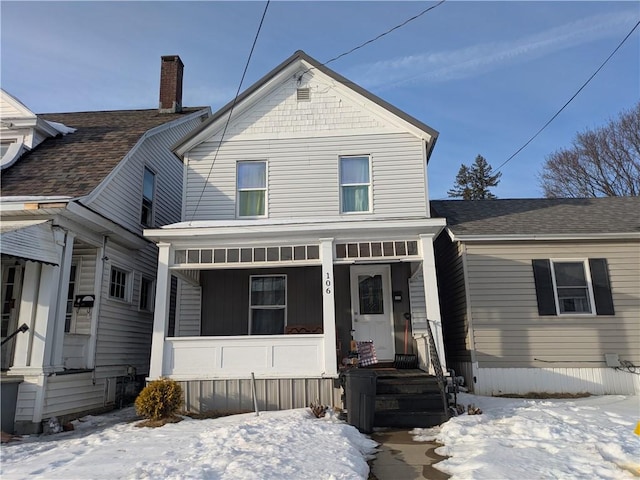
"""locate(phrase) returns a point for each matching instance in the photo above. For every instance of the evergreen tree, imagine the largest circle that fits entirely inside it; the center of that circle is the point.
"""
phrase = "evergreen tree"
(473, 183)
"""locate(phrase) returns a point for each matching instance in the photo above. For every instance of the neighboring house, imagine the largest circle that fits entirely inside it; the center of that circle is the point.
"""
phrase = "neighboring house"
(542, 295)
(77, 191)
(306, 225)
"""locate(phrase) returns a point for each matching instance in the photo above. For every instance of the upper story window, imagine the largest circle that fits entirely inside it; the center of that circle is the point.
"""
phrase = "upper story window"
(573, 287)
(119, 287)
(252, 189)
(148, 193)
(355, 184)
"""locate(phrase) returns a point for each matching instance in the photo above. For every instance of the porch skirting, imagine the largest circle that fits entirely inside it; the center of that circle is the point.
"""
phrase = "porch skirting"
(596, 381)
(235, 395)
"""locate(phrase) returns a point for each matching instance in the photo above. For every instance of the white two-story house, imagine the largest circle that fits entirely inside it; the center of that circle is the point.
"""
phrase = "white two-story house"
(77, 191)
(305, 225)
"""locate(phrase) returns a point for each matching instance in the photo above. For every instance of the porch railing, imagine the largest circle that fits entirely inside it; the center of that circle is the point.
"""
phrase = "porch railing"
(270, 356)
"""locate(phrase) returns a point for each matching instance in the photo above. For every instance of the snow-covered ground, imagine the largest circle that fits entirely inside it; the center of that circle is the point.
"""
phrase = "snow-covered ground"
(586, 438)
(290, 444)
(512, 439)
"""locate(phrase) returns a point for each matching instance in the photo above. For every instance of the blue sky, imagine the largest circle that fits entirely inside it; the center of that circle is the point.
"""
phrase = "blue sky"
(486, 75)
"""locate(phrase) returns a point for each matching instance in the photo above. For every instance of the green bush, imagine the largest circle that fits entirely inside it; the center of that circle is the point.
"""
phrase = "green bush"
(160, 399)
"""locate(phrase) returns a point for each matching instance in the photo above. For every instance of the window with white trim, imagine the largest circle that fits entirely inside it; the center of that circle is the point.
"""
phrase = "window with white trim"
(148, 193)
(251, 182)
(573, 286)
(146, 294)
(355, 184)
(119, 284)
(267, 304)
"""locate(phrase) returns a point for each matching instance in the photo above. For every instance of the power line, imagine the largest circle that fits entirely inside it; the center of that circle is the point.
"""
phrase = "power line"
(235, 99)
(570, 100)
(358, 47)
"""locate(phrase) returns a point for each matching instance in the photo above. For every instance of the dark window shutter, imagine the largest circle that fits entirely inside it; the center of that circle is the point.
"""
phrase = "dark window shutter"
(601, 286)
(544, 287)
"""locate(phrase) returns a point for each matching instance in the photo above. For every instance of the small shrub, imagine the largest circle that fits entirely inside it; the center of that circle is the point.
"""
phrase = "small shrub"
(160, 399)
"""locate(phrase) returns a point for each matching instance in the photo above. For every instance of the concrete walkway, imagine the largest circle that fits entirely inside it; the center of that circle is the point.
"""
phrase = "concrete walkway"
(399, 457)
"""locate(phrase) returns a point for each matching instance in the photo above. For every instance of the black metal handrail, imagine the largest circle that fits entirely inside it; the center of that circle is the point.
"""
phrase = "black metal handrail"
(437, 367)
(22, 328)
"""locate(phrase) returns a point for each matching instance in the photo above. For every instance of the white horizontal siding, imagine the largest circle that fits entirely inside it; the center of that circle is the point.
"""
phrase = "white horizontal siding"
(508, 332)
(303, 175)
(73, 393)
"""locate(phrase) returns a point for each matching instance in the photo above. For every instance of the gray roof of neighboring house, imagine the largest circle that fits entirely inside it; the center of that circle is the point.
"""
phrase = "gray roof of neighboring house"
(300, 55)
(540, 216)
(74, 164)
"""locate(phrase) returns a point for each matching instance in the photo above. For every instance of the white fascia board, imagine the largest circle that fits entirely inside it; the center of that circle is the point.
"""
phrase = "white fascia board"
(296, 230)
(149, 133)
(544, 237)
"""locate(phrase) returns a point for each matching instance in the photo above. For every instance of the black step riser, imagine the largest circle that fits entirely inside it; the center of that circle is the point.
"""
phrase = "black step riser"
(383, 389)
(409, 419)
(416, 404)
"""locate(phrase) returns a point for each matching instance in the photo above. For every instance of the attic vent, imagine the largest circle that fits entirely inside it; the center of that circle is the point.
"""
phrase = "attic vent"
(303, 95)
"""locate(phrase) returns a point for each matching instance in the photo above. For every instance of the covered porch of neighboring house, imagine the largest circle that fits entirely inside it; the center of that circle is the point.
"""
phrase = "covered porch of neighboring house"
(52, 271)
(283, 302)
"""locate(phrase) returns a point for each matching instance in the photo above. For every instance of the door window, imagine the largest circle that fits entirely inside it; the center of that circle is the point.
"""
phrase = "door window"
(371, 294)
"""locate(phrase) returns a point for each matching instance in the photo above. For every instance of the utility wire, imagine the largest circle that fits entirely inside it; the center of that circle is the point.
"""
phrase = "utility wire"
(358, 47)
(570, 100)
(235, 99)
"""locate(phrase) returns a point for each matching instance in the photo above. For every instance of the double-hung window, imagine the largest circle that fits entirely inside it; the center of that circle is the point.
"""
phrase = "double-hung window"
(252, 188)
(146, 294)
(267, 304)
(355, 184)
(573, 287)
(119, 284)
(148, 192)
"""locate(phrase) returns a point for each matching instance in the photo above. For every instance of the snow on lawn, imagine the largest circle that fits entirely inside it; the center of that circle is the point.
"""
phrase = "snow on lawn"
(523, 439)
(290, 444)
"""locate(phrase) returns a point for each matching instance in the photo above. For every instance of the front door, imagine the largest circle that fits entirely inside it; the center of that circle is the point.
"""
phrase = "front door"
(11, 283)
(371, 308)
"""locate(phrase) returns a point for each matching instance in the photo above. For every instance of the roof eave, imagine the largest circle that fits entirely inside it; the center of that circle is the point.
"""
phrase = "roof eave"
(543, 237)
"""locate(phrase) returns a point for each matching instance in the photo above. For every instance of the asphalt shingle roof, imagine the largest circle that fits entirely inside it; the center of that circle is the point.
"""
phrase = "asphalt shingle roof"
(74, 164)
(540, 216)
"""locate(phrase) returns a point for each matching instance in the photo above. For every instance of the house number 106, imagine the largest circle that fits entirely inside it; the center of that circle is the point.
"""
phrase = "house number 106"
(327, 284)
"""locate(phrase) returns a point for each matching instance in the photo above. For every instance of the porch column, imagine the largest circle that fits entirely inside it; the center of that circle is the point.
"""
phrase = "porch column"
(431, 295)
(63, 292)
(328, 308)
(161, 315)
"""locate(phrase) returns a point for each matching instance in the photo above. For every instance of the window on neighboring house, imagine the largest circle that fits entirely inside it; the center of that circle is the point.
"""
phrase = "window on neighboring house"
(267, 304)
(119, 284)
(252, 189)
(148, 192)
(146, 294)
(355, 184)
(68, 319)
(570, 287)
(4, 147)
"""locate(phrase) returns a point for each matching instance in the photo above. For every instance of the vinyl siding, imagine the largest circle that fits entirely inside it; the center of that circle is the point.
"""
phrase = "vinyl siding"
(303, 175)
(188, 302)
(508, 332)
(452, 294)
(120, 195)
(225, 298)
(73, 393)
(84, 257)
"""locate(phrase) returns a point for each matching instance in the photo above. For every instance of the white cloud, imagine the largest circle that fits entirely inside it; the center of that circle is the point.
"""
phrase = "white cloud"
(471, 61)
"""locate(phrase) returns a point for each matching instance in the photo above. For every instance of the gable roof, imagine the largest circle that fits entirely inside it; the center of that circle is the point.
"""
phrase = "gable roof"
(73, 165)
(540, 216)
(300, 56)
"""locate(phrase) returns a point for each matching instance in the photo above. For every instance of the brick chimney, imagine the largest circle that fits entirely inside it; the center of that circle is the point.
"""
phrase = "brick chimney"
(171, 84)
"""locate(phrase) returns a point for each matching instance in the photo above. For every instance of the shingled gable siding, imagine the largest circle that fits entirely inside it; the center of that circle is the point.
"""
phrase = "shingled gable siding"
(303, 175)
(509, 332)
